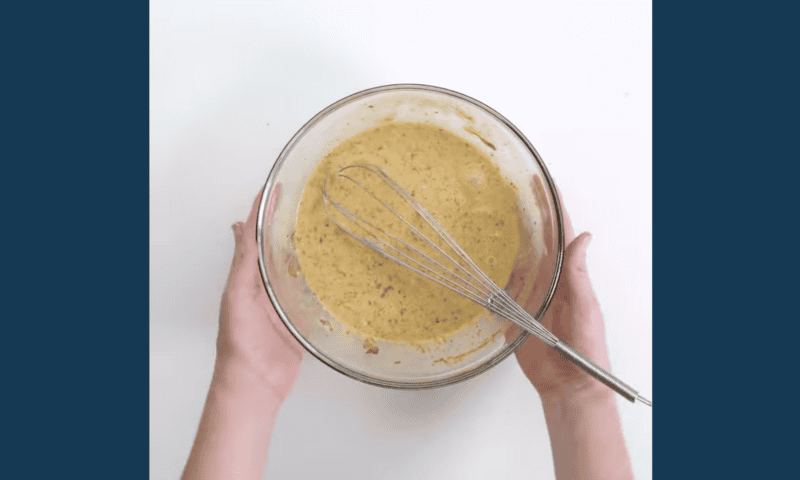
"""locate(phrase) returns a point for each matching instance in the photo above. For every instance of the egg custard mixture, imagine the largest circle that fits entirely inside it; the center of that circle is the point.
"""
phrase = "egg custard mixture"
(458, 184)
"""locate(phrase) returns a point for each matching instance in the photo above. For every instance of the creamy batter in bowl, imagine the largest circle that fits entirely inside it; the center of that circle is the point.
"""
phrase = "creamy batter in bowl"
(394, 360)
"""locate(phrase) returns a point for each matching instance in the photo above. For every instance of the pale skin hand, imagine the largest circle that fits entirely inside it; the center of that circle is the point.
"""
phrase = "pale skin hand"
(250, 329)
(581, 413)
(257, 363)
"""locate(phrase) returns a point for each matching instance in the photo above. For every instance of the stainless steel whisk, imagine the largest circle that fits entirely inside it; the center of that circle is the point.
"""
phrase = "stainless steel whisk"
(455, 271)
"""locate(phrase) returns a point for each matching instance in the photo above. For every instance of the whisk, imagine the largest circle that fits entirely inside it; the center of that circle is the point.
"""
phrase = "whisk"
(439, 258)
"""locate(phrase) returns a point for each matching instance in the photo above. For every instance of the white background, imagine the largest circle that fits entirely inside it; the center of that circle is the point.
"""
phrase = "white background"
(230, 84)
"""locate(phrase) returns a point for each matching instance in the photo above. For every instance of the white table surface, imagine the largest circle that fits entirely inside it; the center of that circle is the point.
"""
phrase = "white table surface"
(231, 82)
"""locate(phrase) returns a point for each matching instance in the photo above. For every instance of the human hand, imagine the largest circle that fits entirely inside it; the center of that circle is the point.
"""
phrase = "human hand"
(257, 363)
(253, 344)
(574, 316)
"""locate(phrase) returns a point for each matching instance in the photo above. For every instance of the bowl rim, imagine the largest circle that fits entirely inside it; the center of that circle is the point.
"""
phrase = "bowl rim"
(260, 240)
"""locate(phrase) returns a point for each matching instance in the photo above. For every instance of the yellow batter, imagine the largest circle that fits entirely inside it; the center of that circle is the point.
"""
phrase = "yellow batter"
(455, 182)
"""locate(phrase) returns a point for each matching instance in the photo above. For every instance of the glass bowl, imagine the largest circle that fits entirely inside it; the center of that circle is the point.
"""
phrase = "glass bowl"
(469, 352)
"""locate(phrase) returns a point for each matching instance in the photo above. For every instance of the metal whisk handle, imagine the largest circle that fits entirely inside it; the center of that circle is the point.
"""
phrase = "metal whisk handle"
(599, 373)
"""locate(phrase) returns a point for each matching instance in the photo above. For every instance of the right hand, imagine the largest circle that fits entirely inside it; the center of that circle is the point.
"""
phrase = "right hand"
(574, 316)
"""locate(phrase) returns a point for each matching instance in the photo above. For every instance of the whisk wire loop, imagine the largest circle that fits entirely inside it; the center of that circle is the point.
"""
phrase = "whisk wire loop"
(457, 272)
(462, 273)
(467, 279)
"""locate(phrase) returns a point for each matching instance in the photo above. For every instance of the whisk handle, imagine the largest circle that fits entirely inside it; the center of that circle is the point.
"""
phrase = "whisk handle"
(599, 373)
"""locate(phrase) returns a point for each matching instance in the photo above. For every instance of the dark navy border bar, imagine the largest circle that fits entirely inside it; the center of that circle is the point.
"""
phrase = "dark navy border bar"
(75, 204)
(725, 130)
(75, 198)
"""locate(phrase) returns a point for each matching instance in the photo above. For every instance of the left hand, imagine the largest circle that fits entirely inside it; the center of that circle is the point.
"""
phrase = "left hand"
(253, 345)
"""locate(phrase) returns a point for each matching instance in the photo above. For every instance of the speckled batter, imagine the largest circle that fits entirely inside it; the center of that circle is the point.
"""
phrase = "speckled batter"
(454, 181)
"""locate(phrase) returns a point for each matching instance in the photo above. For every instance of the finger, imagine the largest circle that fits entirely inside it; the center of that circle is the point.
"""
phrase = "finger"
(252, 218)
(269, 216)
(541, 199)
(586, 330)
(245, 266)
(251, 223)
(544, 207)
(239, 257)
(238, 238)
(581, 294)
(569, 232)
(273, 203)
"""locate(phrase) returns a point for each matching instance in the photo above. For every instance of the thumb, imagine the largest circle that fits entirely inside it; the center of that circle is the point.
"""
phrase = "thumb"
(587, 331)
(239, 252)
(580, 288)
(238, 234)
